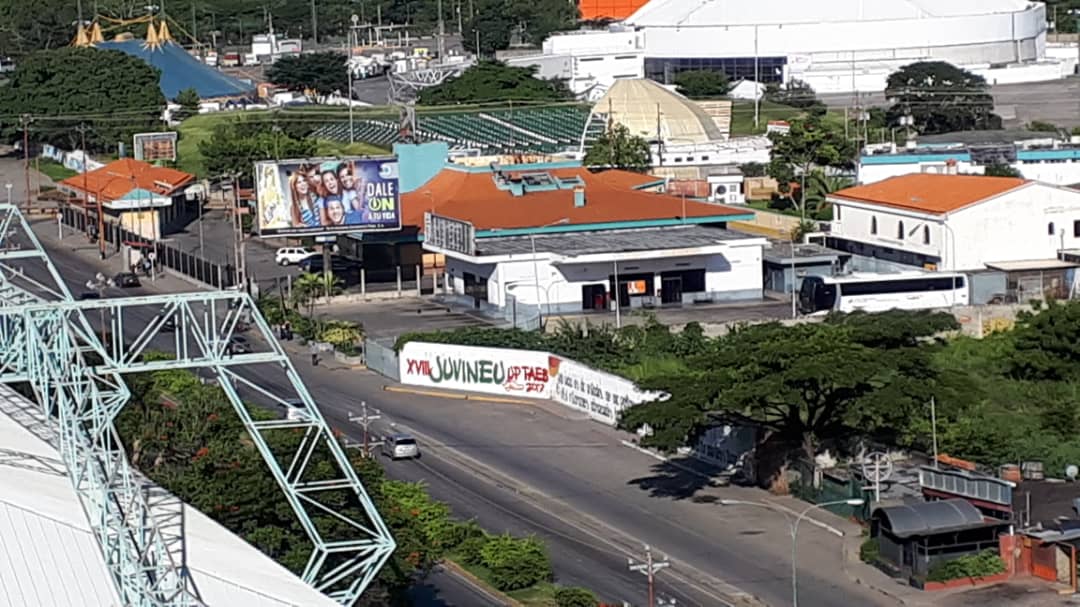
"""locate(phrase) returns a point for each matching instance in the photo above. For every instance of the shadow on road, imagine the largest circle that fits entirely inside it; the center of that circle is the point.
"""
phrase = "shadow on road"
(682, 478)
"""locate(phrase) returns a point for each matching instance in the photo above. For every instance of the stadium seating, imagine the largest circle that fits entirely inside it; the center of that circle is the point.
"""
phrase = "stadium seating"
(545, 129)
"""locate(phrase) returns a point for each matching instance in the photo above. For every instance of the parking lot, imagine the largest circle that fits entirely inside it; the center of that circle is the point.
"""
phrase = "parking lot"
(391, 318)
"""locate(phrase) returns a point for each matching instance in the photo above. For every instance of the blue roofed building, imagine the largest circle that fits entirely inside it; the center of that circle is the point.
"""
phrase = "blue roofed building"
(180, 70)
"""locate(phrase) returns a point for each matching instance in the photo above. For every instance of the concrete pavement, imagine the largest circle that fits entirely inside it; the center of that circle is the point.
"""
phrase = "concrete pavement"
(572, 482)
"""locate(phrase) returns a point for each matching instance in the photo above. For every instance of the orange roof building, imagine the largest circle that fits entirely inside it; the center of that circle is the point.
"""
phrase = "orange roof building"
(123, 183)
(539, 239)
(530, 196)
(961, 223)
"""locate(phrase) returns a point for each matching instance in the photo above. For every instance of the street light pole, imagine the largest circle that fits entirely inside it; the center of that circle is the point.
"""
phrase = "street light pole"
(536, 267)
(100, 284)
(793, 527)
(349, 69)
(649, 568)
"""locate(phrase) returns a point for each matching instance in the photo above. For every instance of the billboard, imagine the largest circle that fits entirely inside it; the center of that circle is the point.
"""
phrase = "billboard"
(490, 370)
(151, 147)
(449, 234)
(322, 196)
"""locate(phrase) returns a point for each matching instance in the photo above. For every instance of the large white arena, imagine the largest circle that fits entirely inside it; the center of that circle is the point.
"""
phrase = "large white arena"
(835, 46)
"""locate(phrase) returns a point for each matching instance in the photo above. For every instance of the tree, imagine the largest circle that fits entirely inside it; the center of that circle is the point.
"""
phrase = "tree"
(1001, 170)
(617, 148)
(575, 597)
(806, 385)
(1047, 344)
(515, 563)
(189, 100)
(235, 146)
(490, 27)
(940, 98)
(490, 81)
(1040, 126)
(794, 93)
(702, 84)
(809, 143)
(114, 94)
(499, 22)
(818, 187)
(34, 26)
(324, 73)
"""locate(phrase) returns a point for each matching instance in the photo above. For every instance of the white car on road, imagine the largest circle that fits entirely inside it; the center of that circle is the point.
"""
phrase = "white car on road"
(291, 255)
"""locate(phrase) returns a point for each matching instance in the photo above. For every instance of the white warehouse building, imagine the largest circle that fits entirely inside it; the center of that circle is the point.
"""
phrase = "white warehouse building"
(835, 46)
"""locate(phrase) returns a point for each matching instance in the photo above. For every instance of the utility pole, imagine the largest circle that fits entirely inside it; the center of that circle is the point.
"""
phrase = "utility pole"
(314, 23)
(26, 154)
(364, 420)
(442, 33)
(352, 32)
(649, 569)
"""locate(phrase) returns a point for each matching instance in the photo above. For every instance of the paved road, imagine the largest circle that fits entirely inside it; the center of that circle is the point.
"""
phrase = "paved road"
(1054, 101)
(533, 469)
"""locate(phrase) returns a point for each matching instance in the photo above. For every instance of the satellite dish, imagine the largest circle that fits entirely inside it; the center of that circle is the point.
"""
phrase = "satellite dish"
(877, 467)
(1071, 471)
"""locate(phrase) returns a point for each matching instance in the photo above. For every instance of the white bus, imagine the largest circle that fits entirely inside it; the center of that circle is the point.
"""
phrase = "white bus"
(881, 292)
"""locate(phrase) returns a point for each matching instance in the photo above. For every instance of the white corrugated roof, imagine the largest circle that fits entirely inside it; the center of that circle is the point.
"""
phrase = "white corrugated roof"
(687, 13)
(634, 103)
(48, 557)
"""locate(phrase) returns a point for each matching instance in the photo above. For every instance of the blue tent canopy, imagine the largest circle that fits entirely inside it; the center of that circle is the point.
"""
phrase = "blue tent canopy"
(179, 70)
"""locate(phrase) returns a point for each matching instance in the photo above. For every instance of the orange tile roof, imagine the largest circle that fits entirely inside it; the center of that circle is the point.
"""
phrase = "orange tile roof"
(609, 197)
(931, 193)
(114, 180)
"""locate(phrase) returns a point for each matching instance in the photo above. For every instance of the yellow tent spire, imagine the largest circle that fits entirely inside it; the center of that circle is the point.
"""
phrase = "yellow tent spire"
(163, 34)
(95, 33)
(151, 37)
(80, 37)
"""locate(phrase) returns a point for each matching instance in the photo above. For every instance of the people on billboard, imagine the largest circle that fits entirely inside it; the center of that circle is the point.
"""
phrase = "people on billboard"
(335, 211)
(275, 212)
(305, 212)
(351, 193)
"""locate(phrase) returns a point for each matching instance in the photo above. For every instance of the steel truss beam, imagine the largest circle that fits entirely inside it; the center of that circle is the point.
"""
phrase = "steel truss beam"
(49, 341)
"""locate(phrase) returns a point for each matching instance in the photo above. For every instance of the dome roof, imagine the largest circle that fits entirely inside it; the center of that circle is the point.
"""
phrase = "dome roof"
(634, 104)
(690, 13)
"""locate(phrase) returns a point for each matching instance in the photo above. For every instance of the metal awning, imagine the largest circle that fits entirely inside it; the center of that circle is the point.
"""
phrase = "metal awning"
(1030, 265)
(929, 518)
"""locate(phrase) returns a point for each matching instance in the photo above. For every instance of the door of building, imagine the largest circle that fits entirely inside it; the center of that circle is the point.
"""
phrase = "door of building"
(671, 290)
(594, 297)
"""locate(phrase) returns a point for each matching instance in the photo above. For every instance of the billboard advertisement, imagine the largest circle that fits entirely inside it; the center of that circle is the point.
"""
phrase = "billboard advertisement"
(489, 370)
(152, 147)
(322, 196)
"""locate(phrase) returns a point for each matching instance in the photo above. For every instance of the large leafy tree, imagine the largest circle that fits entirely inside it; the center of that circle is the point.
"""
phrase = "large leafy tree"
(114, 95)
(323, 73)
(234, 147)
(489, 29)
(795, 93)
(809, 143)
(1047, 344)
(940, 98)
(702, 84)
(618, 148)
(494, 81)
(497, 21)
(807, 386)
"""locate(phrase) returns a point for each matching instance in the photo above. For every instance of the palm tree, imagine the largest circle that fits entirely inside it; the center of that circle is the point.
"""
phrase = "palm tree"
(819, 186)
(309, 286)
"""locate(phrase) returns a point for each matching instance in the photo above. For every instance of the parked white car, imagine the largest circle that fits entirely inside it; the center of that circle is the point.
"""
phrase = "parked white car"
(290, 255)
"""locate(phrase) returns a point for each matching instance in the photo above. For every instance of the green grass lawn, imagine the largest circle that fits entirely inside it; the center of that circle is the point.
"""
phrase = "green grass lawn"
(539, 595)
(201, 127)
(54, 170)
(742, 116)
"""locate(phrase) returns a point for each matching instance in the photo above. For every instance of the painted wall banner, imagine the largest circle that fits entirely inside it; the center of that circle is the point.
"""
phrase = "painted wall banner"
(602, 395)
(489, 370)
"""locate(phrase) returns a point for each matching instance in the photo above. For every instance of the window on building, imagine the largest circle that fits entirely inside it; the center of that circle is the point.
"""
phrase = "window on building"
(1050, 228)
(836, 212)
(926, 234)
(900, 230)
(1076, 229)
(873, 225)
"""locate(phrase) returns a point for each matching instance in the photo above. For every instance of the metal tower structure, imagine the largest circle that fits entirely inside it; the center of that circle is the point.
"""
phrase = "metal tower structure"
(406, 86)
(48, 342)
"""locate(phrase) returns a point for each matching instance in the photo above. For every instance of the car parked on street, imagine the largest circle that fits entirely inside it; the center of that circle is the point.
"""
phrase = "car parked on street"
(295, 409)
(126, 280)
(400, 446)
(291, 255)
(238, 345)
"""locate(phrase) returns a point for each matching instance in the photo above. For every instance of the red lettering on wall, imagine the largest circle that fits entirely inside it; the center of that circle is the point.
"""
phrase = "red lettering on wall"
(417, 367)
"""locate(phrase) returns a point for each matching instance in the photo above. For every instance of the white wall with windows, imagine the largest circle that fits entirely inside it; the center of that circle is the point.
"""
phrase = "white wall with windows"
(1056, 171)
(730, 272)
(1031, 223)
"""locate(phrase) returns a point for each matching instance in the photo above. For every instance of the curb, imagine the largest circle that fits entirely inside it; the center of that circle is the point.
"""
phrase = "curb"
(479, 584)
(455, 396)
